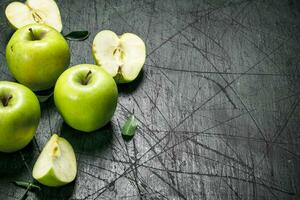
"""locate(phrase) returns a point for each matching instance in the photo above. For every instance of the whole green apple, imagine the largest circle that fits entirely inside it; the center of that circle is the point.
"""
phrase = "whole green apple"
(86, 97)
(19, 116)
(36, 56)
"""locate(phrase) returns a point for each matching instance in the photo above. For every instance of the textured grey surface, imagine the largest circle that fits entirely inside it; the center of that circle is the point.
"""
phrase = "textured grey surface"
(217, 104)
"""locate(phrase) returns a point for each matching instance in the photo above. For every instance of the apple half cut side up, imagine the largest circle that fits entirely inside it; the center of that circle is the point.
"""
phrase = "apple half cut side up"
(56, 165)
(122, 57)
(34, 11)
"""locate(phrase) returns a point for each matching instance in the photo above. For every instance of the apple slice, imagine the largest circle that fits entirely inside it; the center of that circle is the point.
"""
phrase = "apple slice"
(34, 11)
(56, 165)
(122, 57)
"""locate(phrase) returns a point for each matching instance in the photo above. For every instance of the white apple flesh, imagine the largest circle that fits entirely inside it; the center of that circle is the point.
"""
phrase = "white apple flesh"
(34, 11)
(122, 57)
(56, 165)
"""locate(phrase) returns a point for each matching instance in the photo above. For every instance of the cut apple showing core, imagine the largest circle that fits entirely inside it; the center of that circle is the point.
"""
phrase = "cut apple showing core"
(122, 56)
(34, 11)
(56, 165)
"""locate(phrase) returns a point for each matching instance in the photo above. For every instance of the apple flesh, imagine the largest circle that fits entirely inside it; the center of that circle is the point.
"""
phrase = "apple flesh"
(36, 55)
(56, 165)
(86, 97)
(19, 116)
(34, 11)
(122, 57)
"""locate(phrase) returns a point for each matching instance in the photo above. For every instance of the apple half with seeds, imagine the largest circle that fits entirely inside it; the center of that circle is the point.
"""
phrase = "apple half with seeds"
(34, 11)
(122, 56)
(56, 165)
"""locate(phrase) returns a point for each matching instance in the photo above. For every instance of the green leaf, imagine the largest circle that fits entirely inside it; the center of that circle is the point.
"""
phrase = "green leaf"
(129, 127)
(77, 35)
(26, 185)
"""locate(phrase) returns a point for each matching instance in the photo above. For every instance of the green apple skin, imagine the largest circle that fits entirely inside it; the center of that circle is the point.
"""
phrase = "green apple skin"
(20, 117)
(37, 63)
(86, 107)
(51, 180)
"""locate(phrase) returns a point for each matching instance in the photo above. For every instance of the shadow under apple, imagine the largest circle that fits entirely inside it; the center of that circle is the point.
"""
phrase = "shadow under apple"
(93, 142)
(7, 36)
(45, 95)
(127, 138)
(64, 192)
(12, 165)
(129, 88)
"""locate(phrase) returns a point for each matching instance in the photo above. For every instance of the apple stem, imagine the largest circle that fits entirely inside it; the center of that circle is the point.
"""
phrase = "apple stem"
(5, 100)
(32, 34)
(87, 78)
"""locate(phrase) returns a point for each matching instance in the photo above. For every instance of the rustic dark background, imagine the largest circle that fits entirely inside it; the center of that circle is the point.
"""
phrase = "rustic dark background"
(217, 104)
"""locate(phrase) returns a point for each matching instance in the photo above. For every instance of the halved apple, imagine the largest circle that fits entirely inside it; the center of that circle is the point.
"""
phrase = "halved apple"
(56, 165)
(122, 57)
(34, 11)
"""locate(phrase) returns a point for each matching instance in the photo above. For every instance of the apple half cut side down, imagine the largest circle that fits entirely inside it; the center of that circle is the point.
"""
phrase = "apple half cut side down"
(122, 56)
(34, 11)
(56, 165)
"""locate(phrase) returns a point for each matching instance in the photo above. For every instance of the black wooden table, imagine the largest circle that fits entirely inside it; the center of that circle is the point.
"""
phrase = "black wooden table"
(217, 104)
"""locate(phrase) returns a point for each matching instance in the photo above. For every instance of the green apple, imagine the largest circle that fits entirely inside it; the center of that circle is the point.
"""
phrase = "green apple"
(56, 165)
(36, 56)
(86, 97)
(19, 116)
(34, 11)
(122, 57)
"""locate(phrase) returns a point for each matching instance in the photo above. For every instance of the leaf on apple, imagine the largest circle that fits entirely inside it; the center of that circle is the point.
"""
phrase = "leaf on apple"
(129, 127)
(77, 35)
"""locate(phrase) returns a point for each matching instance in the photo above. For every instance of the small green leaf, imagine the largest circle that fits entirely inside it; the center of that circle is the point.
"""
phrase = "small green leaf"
(129, 127)
(77, 35)
(26, 185)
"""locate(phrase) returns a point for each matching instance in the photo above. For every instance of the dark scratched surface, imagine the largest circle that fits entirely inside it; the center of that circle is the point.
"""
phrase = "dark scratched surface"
(217, 104)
